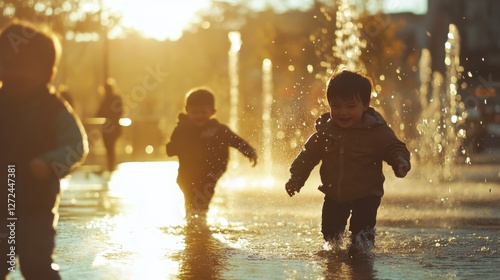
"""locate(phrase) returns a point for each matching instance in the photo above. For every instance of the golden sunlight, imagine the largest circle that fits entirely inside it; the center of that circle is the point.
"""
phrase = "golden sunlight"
(158, 19)
(149, 193)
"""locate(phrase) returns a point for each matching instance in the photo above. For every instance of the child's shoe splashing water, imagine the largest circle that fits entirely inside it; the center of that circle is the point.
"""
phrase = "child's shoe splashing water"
(362, 244)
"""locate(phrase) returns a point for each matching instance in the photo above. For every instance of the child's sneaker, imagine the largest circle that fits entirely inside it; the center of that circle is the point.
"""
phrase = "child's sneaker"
(362, 244)
(333, 244)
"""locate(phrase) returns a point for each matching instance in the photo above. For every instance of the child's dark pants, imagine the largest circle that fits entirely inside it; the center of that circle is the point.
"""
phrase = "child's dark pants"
(335, 214)
(197, 195)
(32, 240)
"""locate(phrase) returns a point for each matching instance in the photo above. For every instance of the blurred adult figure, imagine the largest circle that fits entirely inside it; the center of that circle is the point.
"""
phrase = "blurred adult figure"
(111, 109)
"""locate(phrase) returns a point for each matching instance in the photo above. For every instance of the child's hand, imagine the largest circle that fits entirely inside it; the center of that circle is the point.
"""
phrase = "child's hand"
(402, 169)
(40, 169)
(291, 188)
(253, 159)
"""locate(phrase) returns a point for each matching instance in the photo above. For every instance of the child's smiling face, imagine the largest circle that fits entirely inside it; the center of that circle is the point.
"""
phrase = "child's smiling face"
(200, 114)
(347, 112)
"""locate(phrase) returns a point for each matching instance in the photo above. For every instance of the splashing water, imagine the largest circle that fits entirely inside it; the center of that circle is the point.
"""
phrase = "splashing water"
(348, 44)
(424, 231)
(234, 93)
(362, 245)
(440, 141)
(440, 126)
(235, 40)
(453, 118)
(338, 244)
(267, 102)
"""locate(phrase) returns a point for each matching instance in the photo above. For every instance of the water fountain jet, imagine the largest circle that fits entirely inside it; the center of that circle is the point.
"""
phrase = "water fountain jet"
(267, 134)
(440, 142)
(233, 56)
(348, 45)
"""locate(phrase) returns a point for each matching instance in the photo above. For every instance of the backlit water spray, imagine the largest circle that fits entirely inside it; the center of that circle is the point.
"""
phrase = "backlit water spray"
(267, 102)
(440, 136)
(456, 114)
(348, 45)
(234, 82)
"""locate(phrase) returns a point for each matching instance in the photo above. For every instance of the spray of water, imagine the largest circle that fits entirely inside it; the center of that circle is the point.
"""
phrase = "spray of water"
(234, 93)
(456, 115)
(267, 102)
(348, 45)
(440, 133)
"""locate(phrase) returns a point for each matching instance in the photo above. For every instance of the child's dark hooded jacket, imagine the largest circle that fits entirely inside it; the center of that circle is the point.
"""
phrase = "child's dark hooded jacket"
(351, 157)
(43, 127)
(203, 151)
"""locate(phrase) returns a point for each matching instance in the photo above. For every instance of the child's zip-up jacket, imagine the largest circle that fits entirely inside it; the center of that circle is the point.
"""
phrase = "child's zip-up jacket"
(351, 157)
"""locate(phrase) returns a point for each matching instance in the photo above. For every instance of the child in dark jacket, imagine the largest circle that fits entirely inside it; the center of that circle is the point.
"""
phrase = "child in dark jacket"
(351, 142)
(202, 145)
(41, 141)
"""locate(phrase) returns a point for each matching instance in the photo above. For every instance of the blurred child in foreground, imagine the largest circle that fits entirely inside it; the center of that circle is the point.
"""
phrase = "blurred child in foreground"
(41, 141)
(351, 141)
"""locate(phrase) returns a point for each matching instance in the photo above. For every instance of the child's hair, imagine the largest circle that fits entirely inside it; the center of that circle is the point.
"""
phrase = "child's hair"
(200, 96)
(348, 85)
(22, 38)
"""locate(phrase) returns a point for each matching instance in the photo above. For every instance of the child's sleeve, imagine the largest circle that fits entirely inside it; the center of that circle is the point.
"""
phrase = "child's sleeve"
(305, 162)
(240, 144)
(395, 151)
(72, 145)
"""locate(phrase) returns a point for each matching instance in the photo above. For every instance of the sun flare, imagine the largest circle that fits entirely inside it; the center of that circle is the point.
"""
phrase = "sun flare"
(158, 19)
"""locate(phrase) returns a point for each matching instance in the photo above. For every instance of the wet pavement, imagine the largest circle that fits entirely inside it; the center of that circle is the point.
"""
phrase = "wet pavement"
(133, 227)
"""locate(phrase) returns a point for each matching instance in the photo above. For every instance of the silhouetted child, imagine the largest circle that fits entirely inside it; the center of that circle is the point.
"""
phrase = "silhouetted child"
(202, 145)
(41, 141)
(111, 109)
(351, 142)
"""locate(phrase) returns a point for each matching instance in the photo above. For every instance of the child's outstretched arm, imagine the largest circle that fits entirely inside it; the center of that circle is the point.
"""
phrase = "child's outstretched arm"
(303, 164)
(241, 145)
(396, 154)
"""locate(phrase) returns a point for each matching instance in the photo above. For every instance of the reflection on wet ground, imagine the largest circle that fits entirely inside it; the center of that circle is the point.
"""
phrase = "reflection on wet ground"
(133, 227)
